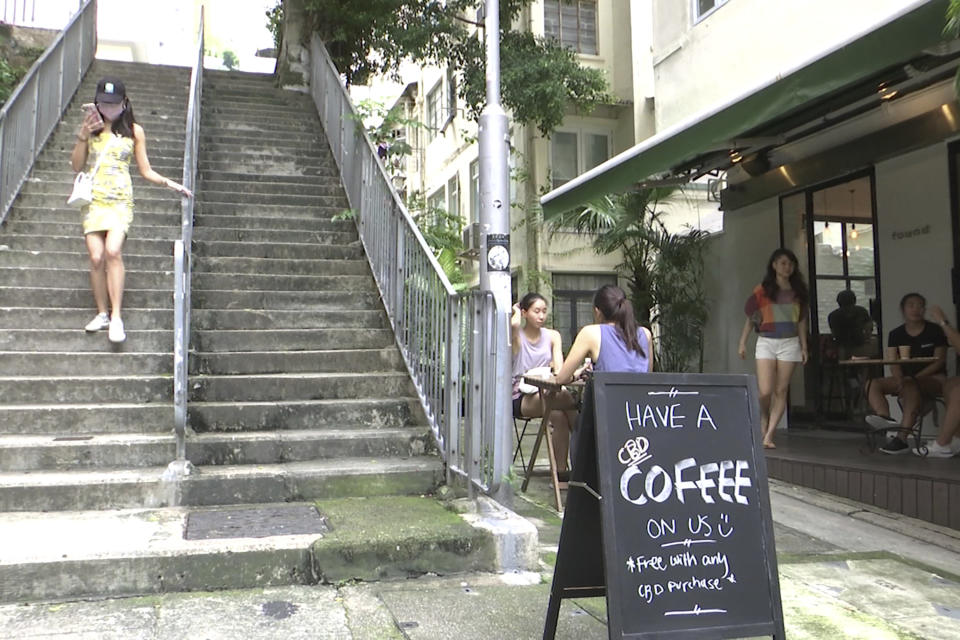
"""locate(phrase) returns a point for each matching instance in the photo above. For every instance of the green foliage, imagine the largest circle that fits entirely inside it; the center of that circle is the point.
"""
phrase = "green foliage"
(539, 79)
(346, 214)
(230, 60)
(14, 67)
(443, 233)
(664, 271)
(275, 24)
(382, 133)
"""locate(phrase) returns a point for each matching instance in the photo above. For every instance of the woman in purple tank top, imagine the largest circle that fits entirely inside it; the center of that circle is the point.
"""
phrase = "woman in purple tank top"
(535, 346)
(614, 343)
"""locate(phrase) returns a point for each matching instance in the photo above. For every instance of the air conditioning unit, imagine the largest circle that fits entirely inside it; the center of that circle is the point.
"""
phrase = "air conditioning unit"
(471, 241)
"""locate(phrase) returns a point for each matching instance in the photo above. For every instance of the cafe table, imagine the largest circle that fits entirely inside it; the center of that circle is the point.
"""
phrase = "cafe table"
(548, 391)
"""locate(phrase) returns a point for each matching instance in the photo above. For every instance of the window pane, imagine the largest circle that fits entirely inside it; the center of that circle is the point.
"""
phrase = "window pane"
(704, 6)
(551, 18)
(568, 25)
(860, 248)
(475, 190)
(828, 243)
(597, 150)
(563, 157)
(827, 291)
(453, 197)
(588, 27)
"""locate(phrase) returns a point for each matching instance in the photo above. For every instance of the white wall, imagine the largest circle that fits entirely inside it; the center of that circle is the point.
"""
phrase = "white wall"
(913, 197)
(743, 43)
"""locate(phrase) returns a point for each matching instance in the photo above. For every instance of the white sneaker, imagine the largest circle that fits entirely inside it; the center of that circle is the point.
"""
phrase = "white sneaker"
(100, 322)
(935, 450)
(881, 422)
(116, 333)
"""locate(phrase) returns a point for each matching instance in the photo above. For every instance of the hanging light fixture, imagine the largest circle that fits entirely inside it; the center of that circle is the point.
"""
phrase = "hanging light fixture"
(853, 225)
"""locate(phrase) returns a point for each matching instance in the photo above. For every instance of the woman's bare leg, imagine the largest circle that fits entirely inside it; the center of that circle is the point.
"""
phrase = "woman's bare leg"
(778, 402)
(116, 274)
(98, 278)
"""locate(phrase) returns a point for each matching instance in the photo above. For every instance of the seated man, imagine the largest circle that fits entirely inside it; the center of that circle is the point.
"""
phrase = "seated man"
(910, 382)
(850, 324)
(947, 443)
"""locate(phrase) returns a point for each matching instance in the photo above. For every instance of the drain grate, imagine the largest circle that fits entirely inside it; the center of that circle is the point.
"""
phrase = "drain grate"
(255, 522)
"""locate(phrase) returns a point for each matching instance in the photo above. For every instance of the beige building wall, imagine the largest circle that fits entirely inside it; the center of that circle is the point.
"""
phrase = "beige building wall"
(742, 43)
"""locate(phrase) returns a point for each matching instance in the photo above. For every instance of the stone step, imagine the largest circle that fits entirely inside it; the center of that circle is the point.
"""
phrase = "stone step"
(168, 203)
(255, 123)
(276, 282)
(247, 218)
(15, 276)
(61, 183)
(329, 187)
(86, 418)
(214, 340)
(226, 319)
(248, 387)
(376, 413)
(60, 161)
(238, 265)
(293, 180)
(277, 250)
(73, 389)
(276, 162)
(86, 363)
(264, 236)
(332, 197)
(82, 298)
(241, 144)
(372, 361)
(232, 136)
(243, 212)
(287, 167)
(79, 278)
(218, 484)
(71, 218)
(307, 300)
(57, 317)
(157, 551)
(126, 450)
(138, 341)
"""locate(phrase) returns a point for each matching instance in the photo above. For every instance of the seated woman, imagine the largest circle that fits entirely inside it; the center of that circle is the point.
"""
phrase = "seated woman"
(910, 382)
(534, 346)
(614, 343)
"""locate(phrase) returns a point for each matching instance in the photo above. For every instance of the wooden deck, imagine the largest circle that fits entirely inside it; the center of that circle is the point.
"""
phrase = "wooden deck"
(840, 463)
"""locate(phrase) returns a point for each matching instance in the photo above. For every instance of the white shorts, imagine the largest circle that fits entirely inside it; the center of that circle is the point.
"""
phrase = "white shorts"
(785, 349)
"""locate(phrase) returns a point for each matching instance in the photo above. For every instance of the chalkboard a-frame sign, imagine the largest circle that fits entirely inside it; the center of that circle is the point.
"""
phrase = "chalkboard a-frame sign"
(681, 542)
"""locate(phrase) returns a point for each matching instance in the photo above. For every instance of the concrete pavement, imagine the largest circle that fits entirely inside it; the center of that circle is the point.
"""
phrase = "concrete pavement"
(846, 571)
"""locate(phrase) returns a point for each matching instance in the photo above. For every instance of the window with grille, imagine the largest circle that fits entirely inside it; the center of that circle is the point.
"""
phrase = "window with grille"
(573, 301)
(434, 111)
(573, 23)
(703, 8)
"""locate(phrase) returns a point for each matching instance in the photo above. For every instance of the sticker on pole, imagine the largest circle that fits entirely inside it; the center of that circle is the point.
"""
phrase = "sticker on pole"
(498, 252)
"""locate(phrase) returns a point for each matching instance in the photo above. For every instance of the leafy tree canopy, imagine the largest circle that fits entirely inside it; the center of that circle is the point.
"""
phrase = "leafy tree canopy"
(539, 78)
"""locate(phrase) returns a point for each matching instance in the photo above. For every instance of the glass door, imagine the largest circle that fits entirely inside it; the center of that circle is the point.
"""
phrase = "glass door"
(843, 253)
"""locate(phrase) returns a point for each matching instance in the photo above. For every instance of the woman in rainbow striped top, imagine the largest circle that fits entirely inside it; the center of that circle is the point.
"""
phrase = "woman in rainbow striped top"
(777, 311)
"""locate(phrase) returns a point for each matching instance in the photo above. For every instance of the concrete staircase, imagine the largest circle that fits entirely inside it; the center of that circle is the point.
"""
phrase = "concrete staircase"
(297, 390)
(85, 424)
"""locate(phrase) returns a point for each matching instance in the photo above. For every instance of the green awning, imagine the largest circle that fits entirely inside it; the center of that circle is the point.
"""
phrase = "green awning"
(917, 27)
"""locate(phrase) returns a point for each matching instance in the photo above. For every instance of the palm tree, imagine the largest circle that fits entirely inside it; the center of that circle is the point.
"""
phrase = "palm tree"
(664, 271)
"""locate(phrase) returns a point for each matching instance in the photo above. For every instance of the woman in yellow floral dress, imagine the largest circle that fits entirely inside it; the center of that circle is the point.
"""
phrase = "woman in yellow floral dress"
(107, 219)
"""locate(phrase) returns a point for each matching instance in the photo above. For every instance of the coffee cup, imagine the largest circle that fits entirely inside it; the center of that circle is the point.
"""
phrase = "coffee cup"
(904, 351)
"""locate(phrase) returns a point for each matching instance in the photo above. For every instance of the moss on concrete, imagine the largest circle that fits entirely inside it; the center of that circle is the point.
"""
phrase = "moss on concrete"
(396, 536)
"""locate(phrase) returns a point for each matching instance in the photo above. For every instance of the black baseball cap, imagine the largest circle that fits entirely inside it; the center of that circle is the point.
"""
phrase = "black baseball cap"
(110, 91)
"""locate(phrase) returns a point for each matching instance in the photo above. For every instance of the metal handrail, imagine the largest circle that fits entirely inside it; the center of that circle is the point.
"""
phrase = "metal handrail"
(36, 106)
(182, 262)
(447, 339)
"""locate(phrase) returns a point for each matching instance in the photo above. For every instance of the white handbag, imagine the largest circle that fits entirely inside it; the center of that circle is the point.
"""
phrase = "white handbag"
(82, 193)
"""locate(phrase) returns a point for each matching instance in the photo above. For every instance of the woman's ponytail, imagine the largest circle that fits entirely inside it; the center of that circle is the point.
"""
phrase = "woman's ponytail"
(614, 306)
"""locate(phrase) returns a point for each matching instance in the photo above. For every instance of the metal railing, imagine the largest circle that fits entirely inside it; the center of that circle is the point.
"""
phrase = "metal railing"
(182, 261)
(447, 339)
(35, 107)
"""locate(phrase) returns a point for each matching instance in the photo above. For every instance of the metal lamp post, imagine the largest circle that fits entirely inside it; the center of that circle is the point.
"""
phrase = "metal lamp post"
(495, 235)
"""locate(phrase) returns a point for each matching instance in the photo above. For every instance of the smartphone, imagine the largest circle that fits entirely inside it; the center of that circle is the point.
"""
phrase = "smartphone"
(89, 107)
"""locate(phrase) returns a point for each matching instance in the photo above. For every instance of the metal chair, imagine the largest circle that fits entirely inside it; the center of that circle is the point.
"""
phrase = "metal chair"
(520, 431)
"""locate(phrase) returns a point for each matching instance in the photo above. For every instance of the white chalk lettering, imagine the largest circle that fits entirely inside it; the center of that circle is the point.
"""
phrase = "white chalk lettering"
(659, 485)
(704, 417)
(631, 418)
(661, 527)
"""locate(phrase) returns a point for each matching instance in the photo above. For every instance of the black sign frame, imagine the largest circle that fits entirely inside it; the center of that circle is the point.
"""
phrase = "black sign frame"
(587, 559)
